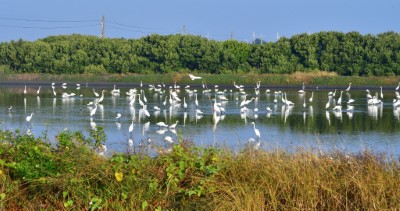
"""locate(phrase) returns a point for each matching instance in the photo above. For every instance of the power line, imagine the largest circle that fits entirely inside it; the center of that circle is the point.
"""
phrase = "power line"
(49, 21)
(40, 27)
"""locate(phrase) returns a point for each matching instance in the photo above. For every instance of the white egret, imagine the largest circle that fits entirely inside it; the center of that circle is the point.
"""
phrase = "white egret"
(256, 131)
(369, 96)
(311, 98)
(168, 139)
(38, 91)
(131, 127)
(93, 111)
(398, 86)
(95, 93)
(348, 88)
(115, 91)
(144, 97)
(9, 109)
(287, 102)
(194, 77)
(28, 118)
(246, 102)
(25, 90)
(184, 103)
(54, 91)
(339, 101)
(118, 116)
(328, 104)
(173, 126)
(102, 97)
(140, 101)
(161, 124)
(381, 93)
(302, 91)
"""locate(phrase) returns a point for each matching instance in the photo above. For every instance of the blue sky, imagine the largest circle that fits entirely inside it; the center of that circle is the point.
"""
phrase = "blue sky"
(216, 19)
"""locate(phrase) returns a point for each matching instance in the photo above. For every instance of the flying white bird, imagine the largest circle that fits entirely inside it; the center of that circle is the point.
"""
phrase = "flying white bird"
(194, 77)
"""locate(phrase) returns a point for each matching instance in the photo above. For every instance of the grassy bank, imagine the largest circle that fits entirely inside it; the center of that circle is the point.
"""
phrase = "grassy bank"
(71, 175)
(310, 78)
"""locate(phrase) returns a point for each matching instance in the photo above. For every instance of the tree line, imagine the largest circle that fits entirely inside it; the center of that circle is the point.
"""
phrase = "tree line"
(344, 53)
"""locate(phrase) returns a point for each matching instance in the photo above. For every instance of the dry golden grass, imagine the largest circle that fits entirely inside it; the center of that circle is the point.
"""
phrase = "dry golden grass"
(277, 180)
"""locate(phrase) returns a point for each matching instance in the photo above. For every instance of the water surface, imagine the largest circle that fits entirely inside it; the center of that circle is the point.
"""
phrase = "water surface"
(375, 127)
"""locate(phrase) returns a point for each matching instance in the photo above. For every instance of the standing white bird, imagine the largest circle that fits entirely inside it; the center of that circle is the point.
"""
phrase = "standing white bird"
(173, 126)
(95, 93)
(328, 104)
(348, 88)
(339, 101)
(302, 90)
(93, 111)
(256, 131)
(381, 93)
(131, 127)
(102, 97)
(311, 98)
(25, 90)
(398, 86)
(38, 91)
(287, 102)
(28, 118)
(184, 103)
(54, 91)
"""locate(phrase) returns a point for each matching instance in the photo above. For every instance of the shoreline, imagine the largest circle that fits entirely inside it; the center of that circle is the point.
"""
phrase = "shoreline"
(224, 81)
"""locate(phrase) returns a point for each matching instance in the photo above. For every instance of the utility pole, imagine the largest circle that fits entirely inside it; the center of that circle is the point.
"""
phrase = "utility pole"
(102, 26)
(184, 29)
(231, 35)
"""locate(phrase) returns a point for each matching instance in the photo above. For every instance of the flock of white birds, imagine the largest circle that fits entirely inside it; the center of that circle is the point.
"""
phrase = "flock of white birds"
(170, 97)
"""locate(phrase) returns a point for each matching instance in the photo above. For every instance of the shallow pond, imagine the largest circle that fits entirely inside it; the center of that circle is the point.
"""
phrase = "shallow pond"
(362, 126)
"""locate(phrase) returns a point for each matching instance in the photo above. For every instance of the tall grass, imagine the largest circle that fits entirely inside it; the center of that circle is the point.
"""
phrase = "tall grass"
(71, 175)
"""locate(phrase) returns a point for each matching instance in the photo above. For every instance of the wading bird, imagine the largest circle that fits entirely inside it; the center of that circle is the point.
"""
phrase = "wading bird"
(28, 118)
(256, 131)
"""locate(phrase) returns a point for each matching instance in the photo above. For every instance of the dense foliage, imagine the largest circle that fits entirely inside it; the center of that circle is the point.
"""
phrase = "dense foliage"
(344, 53)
